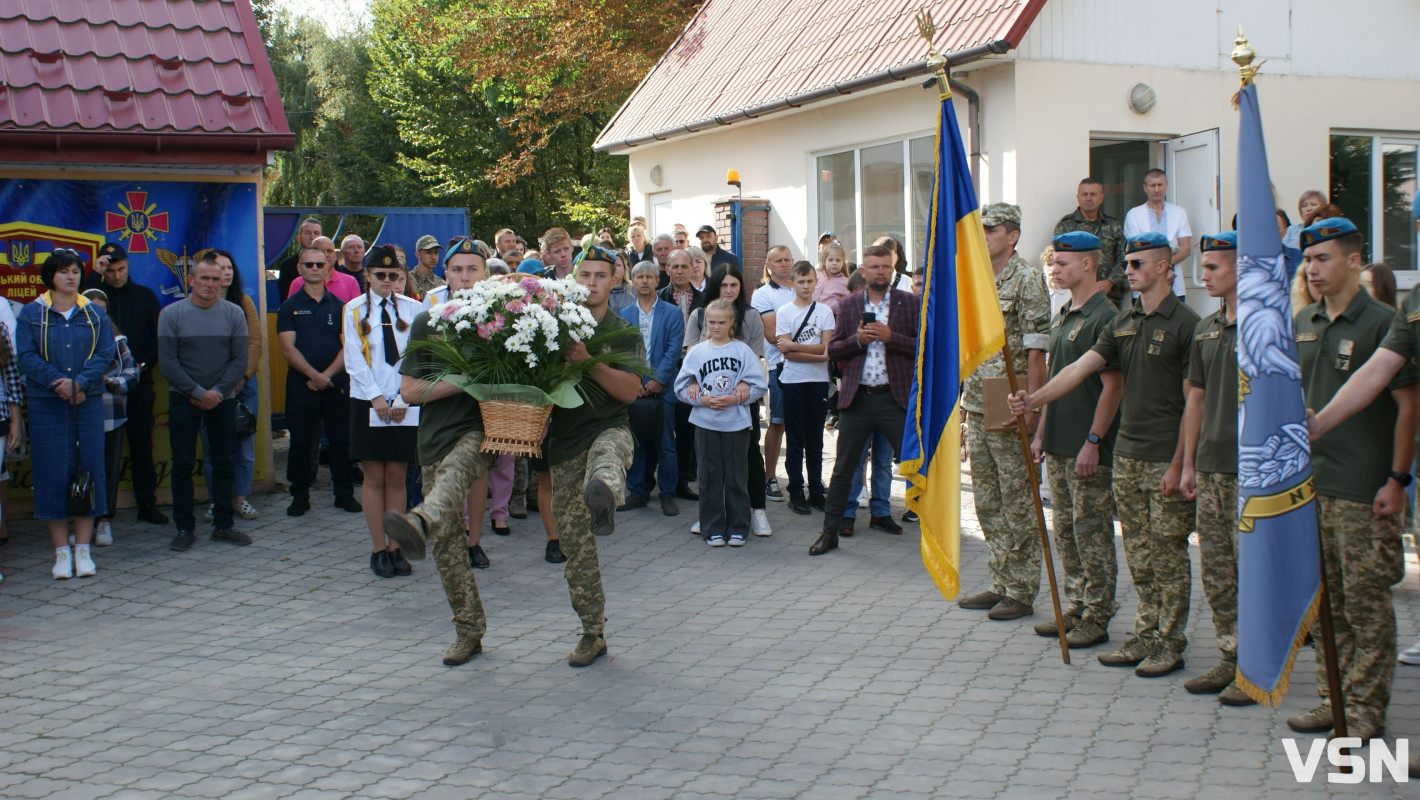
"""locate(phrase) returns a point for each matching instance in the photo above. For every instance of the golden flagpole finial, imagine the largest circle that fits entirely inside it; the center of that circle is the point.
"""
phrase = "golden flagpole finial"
(1243, 56)
(936, 62)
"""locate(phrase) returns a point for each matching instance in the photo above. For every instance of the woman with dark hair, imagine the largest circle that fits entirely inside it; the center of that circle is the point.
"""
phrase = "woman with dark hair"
(1379, 280)
(728, 282)
(65, 346)
(248, 402)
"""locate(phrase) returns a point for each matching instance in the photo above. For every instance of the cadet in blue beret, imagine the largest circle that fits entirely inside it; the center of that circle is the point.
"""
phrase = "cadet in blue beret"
(1210, 460)
(1357, 358)
(1076, 242)
(1151, 240)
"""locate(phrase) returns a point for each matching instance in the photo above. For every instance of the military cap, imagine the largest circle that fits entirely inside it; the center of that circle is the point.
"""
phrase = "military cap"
(114, 251)
(467, 244)
(1146, 241)
(1076, 242)
(1227, 240)
(381, 255)
(426, 242)
(595, 253)
(1324, 230)
(997, 213)
(531, 266)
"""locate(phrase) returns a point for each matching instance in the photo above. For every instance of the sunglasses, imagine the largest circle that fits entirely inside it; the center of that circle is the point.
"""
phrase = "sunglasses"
(385, 276)
(1135, 263)
(313, 264)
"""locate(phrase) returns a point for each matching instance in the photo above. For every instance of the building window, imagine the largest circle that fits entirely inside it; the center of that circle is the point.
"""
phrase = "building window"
(877, 190)
(1373, 182)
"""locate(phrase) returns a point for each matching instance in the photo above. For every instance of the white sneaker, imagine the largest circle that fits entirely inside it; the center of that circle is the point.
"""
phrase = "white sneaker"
(63, 564)
(247, 511)
(695, 527)
(84, 566)
(862, 500)
(715, 541)
(760, 521)
(71, 540)
(103, 533)
(737, 540)
(1411, 655)
(207, 515)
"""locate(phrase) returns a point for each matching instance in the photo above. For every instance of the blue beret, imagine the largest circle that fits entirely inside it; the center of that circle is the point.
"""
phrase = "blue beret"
(1147, 241)
(1324, 230)
(1227, 240)
(467, 244)
(1076, 242)
(531, 266)
(594, 253)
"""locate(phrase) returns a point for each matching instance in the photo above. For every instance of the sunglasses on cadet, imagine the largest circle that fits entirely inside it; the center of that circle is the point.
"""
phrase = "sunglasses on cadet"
(385, 276)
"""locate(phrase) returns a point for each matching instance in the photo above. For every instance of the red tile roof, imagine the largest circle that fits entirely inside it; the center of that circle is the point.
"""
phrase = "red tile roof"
(137, 74)
(741, 59)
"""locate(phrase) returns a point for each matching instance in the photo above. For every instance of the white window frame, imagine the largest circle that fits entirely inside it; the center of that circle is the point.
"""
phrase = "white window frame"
(1406, 275)
(909, 221)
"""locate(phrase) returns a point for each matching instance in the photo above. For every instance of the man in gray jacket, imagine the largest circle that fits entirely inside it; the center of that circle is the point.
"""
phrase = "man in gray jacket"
(202, 351)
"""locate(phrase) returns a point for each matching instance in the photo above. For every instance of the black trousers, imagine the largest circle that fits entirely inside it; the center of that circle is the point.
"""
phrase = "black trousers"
(684, 443)
(139, 430)
(868, 414)
(113, 462)
(306, 411)
(184, 419)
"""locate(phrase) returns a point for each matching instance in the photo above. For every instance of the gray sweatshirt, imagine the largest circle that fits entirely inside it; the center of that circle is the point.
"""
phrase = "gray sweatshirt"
(718, 370)
(202, 348)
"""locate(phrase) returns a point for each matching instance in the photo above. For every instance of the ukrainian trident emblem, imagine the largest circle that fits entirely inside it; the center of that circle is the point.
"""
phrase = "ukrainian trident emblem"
(137, 225)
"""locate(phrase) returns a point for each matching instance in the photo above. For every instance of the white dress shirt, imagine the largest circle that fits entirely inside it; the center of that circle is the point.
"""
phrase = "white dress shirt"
(373, 377)
(1172, 222)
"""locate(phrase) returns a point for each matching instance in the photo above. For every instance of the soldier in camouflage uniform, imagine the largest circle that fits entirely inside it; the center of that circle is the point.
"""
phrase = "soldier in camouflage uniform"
(1088, 217)
(1149, 344)
(999, 469)
(1210, 460)
(1076, 435)
(1362, 431)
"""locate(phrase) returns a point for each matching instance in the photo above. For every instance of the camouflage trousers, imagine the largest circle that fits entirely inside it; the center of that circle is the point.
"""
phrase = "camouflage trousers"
(607, 458)
(1363, 557)
(1156, 532)
(1218, 554)
(445, 490)
(1084, 537)
(1002, 492)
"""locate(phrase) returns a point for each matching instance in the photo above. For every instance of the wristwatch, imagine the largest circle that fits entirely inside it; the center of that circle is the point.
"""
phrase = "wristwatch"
(1402, 478)
(1092, 438)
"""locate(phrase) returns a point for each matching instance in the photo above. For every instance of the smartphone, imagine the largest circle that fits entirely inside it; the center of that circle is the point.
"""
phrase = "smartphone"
(869, 317)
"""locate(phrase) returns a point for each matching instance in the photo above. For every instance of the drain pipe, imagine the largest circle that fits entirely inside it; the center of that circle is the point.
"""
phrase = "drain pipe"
(973, 129)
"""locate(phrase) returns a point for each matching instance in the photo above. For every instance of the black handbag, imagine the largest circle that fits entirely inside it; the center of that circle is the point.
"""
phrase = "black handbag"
(246, 421)
(80, 500)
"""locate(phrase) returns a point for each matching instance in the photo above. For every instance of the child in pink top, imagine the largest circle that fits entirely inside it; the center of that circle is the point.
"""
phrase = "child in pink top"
(832, 277)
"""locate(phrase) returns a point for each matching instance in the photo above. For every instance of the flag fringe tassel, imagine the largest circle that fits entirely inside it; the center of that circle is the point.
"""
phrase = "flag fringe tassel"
(1273, 699)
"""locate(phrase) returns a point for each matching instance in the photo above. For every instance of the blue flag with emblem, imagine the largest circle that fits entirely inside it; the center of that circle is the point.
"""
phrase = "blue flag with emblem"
(1279, 558)
(960, 328)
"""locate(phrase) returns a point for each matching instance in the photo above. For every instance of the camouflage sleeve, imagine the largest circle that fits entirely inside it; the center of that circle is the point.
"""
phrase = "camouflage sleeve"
(1034, 303)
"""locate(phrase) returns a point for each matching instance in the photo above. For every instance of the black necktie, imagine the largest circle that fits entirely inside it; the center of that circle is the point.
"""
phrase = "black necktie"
(391, 347)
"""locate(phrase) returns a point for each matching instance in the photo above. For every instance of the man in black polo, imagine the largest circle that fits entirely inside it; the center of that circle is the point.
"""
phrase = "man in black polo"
(308, 328)
(710, 243)
(134, 310)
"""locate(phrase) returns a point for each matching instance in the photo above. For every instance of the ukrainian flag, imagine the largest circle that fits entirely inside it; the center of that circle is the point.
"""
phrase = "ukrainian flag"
(960, 327)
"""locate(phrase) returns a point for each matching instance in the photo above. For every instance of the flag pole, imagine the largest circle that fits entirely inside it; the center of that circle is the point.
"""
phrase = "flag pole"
(1034, 473)
(1243, 55)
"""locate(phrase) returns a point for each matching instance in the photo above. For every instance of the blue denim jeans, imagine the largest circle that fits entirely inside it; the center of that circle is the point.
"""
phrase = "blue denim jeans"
(880, 505)
(656, 456)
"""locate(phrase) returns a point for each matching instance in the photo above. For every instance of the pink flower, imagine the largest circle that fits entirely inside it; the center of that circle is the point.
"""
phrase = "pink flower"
(549, 302)
(498, 321)
(448, 311)
(531, 286)
(514, 306)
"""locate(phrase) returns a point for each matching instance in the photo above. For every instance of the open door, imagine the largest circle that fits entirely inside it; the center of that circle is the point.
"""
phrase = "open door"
(1192, 165)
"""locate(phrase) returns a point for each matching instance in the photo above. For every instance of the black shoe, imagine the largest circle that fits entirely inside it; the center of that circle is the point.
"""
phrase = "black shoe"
(684, 492)
(477, 558)
(359, 476)
(633, 502)
(298, 507)
(601, 504)
(909, 516)
(501, 530)
(887, 525)
(846, 525)
(554, 553)
(152, 516)
(798, 504)
(381, 565)
(349, 504)
(817, 502)
(183, 541)
(399, 562)
(231, 536)
(826, 542)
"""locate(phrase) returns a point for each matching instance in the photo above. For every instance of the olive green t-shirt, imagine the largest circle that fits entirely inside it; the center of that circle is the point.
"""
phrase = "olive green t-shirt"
(1072, 333)
(444, 421)
(1403, 337)
(1152, 351)
(1213, 367)
(1353, 460)
(574, 429)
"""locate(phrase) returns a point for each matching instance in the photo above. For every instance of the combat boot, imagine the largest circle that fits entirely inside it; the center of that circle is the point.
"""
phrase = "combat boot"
(601, 505)
(1049, 630)
(1133, 651)
(1233, 696)
(1086, 634)
(1214, 680)
(1316, 720)
(407, 531)
(463, 649)
(1161, 661)
(983, 601)
(588, 650)
(1363, 728)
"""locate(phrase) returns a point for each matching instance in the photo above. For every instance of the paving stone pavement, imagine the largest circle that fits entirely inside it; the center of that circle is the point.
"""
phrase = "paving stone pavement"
(287, 670)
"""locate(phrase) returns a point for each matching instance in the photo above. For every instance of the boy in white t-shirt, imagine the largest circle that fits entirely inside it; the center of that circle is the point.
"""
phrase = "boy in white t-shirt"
(802, 329)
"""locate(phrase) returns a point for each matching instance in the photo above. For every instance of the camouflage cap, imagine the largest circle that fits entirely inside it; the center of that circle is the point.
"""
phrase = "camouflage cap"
(426, 242)
(997, 213)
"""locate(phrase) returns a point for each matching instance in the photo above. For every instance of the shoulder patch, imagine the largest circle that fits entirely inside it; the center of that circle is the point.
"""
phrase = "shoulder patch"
(1413, 316)
(1125, 331)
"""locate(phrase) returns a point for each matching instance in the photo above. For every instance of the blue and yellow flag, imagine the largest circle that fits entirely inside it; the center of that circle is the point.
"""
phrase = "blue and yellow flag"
(1279, 557)
(961, 327)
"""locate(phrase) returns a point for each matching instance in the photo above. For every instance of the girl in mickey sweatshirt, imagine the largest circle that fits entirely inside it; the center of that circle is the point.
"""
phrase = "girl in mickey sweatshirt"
(719, 378)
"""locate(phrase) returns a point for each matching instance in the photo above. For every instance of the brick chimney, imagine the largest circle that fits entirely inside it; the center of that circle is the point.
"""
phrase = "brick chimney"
(754, 231)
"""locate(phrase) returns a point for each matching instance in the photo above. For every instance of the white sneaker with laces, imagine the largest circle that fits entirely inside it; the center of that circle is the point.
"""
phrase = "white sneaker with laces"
(207, 515)
(737, 540)
(103, 533)
(862, 500)
(63, 564)
(695, 527)
(760, 521)
(1411, 655)
(716, 541)
(84, 566)
(247, 511)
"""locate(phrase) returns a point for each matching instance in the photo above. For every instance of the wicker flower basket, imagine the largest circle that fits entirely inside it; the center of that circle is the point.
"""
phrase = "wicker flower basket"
(514, 425)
